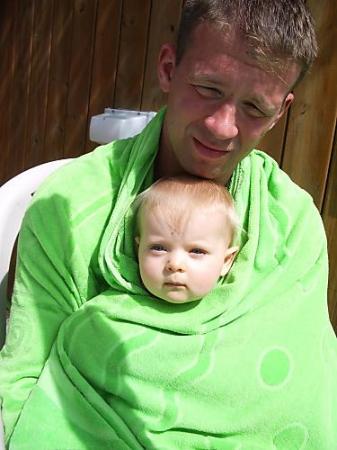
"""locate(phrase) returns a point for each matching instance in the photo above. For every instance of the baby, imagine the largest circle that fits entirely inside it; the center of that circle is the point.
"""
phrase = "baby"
(185, 232)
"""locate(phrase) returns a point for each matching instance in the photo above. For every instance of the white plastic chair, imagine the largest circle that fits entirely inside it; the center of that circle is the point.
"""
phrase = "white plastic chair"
(15, 195)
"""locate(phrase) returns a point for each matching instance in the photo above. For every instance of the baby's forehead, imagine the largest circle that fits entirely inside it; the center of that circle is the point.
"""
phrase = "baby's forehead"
(178, 216)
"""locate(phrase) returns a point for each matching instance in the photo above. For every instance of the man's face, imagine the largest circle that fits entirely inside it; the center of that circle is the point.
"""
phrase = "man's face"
(181, 259)
(220, 104)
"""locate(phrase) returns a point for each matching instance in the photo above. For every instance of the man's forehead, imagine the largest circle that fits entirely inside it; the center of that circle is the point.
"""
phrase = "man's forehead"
(228, 44)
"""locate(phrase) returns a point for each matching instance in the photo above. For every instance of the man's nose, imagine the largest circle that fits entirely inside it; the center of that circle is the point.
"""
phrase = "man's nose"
(175, 263)
(222, 123)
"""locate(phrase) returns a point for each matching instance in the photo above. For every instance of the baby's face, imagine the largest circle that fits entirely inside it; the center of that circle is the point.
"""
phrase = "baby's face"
(181, 260)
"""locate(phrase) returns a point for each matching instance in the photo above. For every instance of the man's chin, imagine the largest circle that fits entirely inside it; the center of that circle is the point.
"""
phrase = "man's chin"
(220, 175)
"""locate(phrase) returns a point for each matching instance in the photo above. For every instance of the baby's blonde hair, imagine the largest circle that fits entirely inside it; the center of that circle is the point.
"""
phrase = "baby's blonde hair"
(178, 196)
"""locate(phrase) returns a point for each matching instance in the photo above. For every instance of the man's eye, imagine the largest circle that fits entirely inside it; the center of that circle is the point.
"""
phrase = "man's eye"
(254, 111)
(158, 248)
(208, 91)
(198, 251)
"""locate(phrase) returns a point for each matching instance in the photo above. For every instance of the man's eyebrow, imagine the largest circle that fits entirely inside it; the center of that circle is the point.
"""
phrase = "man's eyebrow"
(205, 77)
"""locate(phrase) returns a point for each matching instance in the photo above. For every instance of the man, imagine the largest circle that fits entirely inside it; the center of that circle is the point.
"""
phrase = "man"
(232, 372)
(228, 89)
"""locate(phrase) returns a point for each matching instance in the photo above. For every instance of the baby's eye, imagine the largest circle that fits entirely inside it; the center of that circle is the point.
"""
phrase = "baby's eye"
(158, 248)
(198, 251)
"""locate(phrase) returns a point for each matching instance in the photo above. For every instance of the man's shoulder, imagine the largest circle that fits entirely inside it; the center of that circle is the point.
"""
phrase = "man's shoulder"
(278, 182)
(285, 197)
(85, 184)
(86, 175)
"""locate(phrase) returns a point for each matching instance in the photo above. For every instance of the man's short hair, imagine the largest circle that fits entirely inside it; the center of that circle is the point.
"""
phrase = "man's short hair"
(275, 30)
(176, 197)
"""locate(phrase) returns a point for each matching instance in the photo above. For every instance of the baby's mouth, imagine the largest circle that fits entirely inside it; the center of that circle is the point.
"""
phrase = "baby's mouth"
(174, 284)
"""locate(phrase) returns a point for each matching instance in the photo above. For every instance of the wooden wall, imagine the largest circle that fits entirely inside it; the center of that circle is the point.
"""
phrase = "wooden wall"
(62, 61)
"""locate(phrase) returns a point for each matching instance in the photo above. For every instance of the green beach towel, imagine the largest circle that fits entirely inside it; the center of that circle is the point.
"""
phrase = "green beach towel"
(252, 366)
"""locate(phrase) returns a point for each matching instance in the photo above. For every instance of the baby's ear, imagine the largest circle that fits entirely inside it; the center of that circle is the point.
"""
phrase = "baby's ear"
(137, 241)
(229, 258)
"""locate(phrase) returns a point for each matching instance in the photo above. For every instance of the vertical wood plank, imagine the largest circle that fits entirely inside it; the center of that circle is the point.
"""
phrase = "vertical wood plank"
(330, 221)
(7, 14)
(80, 77)
(37, 100)
(105, 59)
(312, 117)
(132, 55)
(60, 57)
(21, 67)
(165, 15)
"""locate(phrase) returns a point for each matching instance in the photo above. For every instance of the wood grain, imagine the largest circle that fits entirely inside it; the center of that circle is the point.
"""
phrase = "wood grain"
(132, 54)
(7, 14)
(105, 59)
(82, 51)
(60, 57)
(312, 117)
(165, 16)
(21, 69)
(330, 221)
(38, 83)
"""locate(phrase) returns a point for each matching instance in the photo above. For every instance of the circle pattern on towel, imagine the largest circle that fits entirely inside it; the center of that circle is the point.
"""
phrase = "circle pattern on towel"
(275, 367)
(18, 337)
(293, 436)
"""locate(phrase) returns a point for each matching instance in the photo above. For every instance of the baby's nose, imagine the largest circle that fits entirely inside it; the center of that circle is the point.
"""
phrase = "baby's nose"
(175, 263)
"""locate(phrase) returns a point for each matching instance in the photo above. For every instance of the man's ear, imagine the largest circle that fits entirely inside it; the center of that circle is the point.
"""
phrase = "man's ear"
(229, 258)
(166, 66)
(285, 106)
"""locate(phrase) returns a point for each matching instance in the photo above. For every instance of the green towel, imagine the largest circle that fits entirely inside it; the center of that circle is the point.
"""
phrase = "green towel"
(251, 366)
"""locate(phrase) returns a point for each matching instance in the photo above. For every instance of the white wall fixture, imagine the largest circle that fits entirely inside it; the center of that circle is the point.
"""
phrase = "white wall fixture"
(117, 124)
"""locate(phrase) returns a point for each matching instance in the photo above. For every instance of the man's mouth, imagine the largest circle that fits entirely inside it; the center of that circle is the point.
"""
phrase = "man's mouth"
(209, 151)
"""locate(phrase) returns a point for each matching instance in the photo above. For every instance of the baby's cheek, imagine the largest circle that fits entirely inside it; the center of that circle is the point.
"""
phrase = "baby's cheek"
(205, 280)
(203, 283)
(150, 270)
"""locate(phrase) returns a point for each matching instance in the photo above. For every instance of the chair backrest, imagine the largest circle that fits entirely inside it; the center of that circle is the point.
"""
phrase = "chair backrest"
(15, 196)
